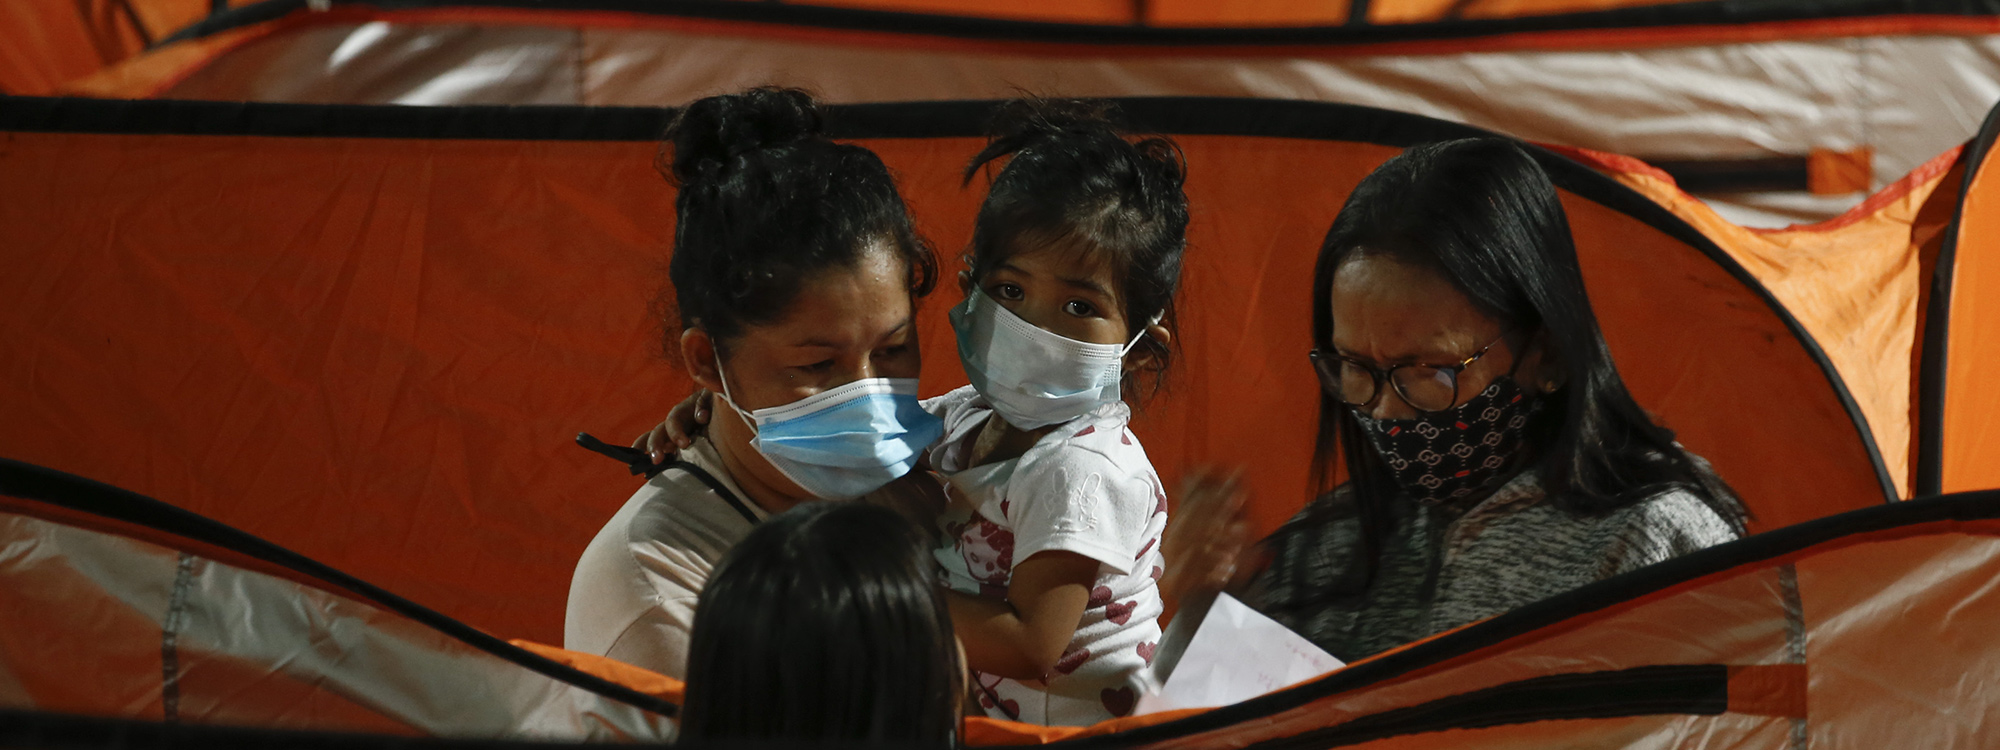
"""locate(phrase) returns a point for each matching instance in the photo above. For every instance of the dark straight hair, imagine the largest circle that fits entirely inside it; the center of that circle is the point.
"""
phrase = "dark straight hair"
(767, 202)
(824, 625)
(1481, 213)
(1075, 180)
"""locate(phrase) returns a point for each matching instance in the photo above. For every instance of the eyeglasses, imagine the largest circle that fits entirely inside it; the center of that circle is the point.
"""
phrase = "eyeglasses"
(1427, 388)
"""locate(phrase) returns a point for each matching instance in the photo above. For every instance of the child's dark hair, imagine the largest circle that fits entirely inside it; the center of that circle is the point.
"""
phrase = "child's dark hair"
(1076, 180)
(824, 624)
(766, 202)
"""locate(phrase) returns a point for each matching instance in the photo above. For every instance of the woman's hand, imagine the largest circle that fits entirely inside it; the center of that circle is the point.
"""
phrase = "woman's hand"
(687, 420)
(1207, 544)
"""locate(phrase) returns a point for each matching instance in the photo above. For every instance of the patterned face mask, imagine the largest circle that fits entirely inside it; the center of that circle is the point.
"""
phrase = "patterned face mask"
(1450, 454)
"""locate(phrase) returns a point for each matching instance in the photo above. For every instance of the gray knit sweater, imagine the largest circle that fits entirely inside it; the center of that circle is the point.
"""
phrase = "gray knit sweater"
(1446, 566)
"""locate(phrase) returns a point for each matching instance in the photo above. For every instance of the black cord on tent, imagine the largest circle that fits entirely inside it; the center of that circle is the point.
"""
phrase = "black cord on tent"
(138, 26)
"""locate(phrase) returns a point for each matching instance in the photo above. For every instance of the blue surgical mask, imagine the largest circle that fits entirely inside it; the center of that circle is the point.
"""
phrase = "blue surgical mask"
(845, 442)
(1034, 378)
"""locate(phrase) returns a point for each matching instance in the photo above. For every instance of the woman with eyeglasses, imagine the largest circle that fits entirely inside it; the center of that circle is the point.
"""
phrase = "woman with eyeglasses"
(1492, 453)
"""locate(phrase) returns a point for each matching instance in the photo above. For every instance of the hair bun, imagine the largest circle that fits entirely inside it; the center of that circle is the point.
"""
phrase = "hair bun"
(708, 135)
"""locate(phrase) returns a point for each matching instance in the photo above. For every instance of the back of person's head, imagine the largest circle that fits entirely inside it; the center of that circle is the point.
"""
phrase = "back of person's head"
(825, 624)
(1484, 215)
(1074, 180)
(766, 201)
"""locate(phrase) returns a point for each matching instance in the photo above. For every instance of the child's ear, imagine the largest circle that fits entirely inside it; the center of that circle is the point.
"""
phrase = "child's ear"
(1145, 358)
(965, 282)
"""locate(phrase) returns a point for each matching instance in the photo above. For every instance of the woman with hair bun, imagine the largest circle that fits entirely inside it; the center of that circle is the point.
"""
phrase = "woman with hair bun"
(795, 274)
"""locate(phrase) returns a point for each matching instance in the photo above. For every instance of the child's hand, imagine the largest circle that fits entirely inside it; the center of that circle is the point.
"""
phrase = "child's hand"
(1207, 542)
(686, 421)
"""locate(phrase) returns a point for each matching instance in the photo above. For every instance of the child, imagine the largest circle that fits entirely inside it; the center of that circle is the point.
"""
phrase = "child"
(1052, 537)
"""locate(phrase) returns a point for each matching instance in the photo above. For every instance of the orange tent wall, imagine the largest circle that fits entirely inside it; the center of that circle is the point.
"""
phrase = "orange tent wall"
(1856, 631)
(376, 350)
(47, 43)
(1859, 283)
(1196, 13)
(1969, 448)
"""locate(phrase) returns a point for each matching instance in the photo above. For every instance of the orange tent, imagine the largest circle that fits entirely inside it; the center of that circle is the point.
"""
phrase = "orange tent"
(1778, 113)
(367, 333)
(1852, 631)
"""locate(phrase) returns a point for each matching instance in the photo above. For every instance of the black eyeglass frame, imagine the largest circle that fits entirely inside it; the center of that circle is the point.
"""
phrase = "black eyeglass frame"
(1326, 366)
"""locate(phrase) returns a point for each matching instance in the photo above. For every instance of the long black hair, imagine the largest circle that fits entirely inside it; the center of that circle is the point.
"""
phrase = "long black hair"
(1074, 179)
(766, 202)
(825, 624)
(1483, 215)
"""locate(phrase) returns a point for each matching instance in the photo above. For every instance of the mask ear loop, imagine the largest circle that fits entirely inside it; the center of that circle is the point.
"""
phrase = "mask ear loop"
(719, 375)
(1157, 317)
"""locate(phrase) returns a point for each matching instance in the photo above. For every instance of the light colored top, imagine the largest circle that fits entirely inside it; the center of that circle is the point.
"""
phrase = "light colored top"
(1444, 565)
(1087, 488)
(633, 595)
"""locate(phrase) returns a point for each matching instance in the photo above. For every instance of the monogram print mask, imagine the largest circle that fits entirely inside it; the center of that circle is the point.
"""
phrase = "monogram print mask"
(1450, 454)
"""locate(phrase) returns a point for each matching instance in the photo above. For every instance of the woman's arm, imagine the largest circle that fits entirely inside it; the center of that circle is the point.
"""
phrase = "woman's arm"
(1023, 638)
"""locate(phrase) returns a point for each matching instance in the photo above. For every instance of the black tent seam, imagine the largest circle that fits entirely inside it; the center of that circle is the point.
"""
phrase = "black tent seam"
(31, 482)
(1965, 506)
(1931, 377)
(1691, 689)
(146, 38)
(1698, 13)
(1225, 116)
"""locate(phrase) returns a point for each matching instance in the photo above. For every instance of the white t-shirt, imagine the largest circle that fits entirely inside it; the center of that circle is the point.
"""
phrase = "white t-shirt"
(1087, 488)
(633, 594)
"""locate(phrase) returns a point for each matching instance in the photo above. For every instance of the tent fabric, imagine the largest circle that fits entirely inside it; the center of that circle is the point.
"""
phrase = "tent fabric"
(105, 622)
(1279, 13)
(1859, 282)
(384, 368)
(47, 43)
(1808, 85)
(1963, 333)
(1853, 631)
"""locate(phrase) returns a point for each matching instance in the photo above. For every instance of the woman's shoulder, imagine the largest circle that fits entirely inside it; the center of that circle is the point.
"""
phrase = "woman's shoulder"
(1666, 522)
(693, 503)
(1334, 517)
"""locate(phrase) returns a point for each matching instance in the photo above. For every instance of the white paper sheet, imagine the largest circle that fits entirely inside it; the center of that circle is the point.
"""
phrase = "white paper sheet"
(1237, 654)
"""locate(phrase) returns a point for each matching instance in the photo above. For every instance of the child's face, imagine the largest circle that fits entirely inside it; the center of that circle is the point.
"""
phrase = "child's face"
(1060, 291)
